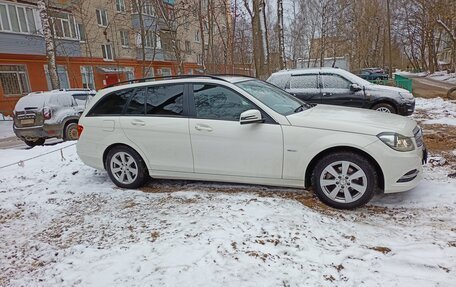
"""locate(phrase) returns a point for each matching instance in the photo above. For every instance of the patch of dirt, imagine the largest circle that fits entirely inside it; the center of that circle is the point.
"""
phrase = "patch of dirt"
(381, 249)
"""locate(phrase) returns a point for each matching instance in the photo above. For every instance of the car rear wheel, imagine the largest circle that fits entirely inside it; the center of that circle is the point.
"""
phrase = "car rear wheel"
(35, 142)
(344, 180)
(385, 108)
(71, 132)
(125, 167)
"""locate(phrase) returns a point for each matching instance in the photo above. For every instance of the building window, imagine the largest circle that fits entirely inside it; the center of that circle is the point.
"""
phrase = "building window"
(107, 52)
(199, 59)
(147, 7)
(102, 17)
(124, 38)
(130, 73)
(165, 72)
(62, 74)
(197, 36)
(81, 32)
(87, 77)
(120, 5)
(14, 80)
(148, 36)
(64, 25)
(187, 46)
(18, 19)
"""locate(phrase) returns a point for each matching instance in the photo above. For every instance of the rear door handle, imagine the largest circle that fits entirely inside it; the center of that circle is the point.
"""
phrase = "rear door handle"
(327, 94)
(203, 128)
(138, 123)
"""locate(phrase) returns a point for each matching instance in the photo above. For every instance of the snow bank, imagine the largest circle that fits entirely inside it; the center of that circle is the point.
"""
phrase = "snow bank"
(65, 224)
(436, 111)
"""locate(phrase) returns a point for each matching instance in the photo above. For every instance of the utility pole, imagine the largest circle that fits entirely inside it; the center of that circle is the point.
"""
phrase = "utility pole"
(390, 64)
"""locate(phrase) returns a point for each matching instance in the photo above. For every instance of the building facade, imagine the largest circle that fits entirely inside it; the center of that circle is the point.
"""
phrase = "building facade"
(97, 43)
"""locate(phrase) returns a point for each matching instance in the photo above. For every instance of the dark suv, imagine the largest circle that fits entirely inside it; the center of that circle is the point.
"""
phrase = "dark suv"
(334, 86)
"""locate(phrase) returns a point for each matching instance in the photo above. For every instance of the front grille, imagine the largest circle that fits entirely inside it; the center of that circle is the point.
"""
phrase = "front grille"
(418, 134)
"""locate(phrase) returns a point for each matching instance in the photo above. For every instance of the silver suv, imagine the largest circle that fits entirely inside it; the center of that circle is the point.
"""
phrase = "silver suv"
(52, 114)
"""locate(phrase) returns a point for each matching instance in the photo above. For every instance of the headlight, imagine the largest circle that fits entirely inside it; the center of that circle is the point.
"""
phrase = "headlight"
(397, 141)
(406, 96)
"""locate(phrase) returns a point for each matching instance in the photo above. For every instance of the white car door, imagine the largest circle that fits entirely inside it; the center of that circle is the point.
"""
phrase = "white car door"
(221, 145)
(154, 120)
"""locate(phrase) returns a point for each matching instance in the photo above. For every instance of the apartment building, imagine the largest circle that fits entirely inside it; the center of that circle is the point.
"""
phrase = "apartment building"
(97, 42)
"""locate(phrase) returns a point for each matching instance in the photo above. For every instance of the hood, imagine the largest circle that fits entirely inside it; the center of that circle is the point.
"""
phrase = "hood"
(352, 120)
(383, 88)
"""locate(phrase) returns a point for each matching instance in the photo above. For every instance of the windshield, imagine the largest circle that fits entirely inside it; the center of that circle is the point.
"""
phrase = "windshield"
(273, 97)
(360, 81)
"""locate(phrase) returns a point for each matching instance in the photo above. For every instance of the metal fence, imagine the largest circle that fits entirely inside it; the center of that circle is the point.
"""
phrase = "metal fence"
(398, 81)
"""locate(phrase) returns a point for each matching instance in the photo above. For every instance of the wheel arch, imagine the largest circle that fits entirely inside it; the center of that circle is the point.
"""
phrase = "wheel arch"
(107, 149)
(320, 155)
(385, 101)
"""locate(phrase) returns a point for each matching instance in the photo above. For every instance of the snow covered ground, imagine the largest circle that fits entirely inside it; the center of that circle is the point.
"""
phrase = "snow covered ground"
(65, 224)
(6, 128)
(436, 111)
(442, 76)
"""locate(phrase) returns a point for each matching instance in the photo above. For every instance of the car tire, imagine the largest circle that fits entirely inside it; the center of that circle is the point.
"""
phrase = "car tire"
(125, 167)
(344, 180)
(38, 141)
(385, 108)
(71, 132)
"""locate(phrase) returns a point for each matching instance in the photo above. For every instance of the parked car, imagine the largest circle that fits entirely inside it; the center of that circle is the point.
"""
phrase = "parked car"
(334, 86)
(373, 74)
(240, 129)
(52, 114)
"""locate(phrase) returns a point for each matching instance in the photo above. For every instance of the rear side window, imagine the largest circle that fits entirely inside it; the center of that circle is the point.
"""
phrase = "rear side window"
(304, 82)
(136, 106)
(165, 100)
(111, 104)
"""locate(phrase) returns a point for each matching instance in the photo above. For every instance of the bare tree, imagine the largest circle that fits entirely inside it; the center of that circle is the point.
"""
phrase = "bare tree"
(50, 45)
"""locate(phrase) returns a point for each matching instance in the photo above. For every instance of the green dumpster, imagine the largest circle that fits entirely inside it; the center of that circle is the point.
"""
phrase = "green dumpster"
(403, 82)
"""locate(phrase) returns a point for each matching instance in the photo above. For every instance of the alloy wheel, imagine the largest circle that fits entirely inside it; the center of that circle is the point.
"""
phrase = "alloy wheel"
(124, 167)
(343, 181)
(383, 110)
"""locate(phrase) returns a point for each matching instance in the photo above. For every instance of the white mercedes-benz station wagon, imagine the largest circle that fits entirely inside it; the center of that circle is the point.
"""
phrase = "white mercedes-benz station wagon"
(240, 129)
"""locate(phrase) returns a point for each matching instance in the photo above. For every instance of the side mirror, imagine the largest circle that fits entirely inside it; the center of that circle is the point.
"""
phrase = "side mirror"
(250, 117)
(355, 87)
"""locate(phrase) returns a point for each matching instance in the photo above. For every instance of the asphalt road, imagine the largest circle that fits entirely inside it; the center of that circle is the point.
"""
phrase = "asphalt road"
(429, 88)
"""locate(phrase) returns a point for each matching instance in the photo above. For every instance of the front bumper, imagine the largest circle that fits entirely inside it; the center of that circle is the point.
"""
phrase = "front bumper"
(402, 171)
(406, 109)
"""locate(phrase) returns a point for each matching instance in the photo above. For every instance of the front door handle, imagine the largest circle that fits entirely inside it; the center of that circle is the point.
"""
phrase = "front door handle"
(203, 128)
(138, 123)
(327, 94)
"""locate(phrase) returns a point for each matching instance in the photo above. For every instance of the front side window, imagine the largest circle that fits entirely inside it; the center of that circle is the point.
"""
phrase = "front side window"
(166, 100)
(273, 97)
(14, 80)
(219, 103)
(279, 80)
(304, 82)
(331, 81)
(112, 104)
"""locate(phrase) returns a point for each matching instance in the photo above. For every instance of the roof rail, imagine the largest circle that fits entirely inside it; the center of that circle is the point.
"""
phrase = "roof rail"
(142, 80)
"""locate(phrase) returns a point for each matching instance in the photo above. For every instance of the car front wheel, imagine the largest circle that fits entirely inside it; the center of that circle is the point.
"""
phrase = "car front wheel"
(125, 167)
(385, 108)
(344, 180)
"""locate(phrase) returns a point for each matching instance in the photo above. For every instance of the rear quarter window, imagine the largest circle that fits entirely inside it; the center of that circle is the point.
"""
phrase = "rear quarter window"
(111, 104)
